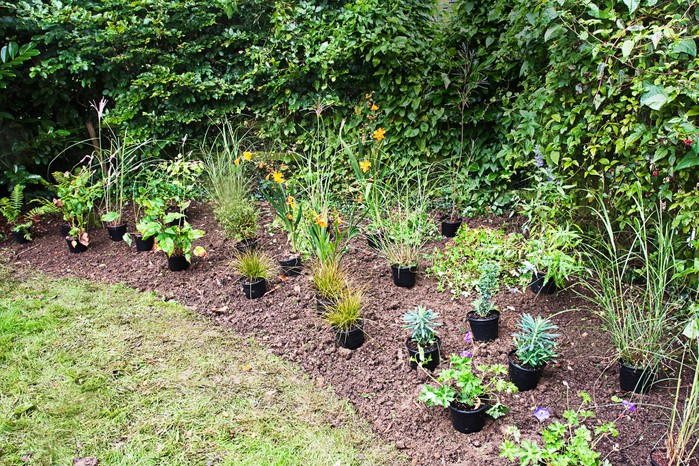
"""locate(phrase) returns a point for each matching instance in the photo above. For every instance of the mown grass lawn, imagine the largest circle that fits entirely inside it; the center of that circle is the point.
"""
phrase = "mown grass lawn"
(104, 371)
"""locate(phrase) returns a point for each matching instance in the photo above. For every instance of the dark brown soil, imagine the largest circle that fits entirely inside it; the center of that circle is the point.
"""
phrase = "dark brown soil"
(376, 378)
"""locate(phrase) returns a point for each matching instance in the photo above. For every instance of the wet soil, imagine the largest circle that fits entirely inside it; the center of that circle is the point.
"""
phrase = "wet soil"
(377, 378)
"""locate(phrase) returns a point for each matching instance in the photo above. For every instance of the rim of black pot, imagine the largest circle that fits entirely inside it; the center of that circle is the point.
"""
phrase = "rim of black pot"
(483, 407)
(510, 359)
(471, 315)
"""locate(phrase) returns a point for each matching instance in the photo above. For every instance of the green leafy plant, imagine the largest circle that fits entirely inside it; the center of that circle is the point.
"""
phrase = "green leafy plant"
(461, 384)
(457, 266)
(422, 323)
(20, 222)
(555, 253)
(535, 343)
(570, 442)
(178, 239)
(487, 287)
(254, 264)
(77, 195)
(346, 312)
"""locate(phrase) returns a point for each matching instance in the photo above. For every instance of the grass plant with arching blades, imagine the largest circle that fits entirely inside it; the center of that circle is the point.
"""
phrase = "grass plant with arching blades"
(346, 313)
(254, 264)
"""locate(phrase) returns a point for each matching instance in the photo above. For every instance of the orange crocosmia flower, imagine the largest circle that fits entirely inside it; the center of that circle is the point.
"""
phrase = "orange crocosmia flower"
(278, 177)
(380, 134)
(247, 156)
(290, 202)
(237, 161)
(321, 223)
(360, 199)
(262, 165)
(365, 166)
(374, 107)
(338, 220)
(289, 216)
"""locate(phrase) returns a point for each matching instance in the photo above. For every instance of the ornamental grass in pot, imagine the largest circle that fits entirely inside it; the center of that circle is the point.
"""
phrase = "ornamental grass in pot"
(484, 317)
(636, 290)
(469, 392)
(345, 318)
(534, 348)
(329, 282)
(256, 268)
(423, 343)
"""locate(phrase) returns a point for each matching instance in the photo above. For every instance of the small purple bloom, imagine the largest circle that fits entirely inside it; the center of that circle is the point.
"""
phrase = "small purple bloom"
(541, 414)
(628, 405)
(468, 337)
(465, 354)
(539, 160)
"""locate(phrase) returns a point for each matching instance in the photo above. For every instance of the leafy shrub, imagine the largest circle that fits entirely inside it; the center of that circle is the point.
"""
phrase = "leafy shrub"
(457, 266)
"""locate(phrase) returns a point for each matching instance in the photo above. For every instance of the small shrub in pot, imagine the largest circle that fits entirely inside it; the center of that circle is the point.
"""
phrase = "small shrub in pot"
(345, 317)
(484, 317)
(534, 348)
(423, 344)
(256, 268)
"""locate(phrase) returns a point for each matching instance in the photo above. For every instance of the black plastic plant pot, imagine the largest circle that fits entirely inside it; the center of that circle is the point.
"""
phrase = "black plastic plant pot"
(352, 338)
(75, 246)
(254, 289)
(466, 420)
(431, 360)
(450, 228)
(657, 458)
(484, 328)
(177, 263)
(291, 267)
(246, 245)
(539, 285)
(117, 233)
(632, 379)
(65, 229)
(404, 276)
(19, 237)
(375, 240)
(524, 378)
(143, 245)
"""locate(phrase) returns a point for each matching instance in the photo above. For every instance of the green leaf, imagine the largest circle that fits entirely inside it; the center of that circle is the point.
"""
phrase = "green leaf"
(688, 161)
(632, 5)
(552, 32)
(626, 48)
(687, 46)
(655, 97)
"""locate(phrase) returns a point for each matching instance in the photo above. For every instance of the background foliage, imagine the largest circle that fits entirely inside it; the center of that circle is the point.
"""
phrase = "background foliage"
(605, 90)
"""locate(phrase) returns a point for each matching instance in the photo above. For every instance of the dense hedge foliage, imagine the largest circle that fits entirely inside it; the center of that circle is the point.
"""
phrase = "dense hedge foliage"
(606, 91)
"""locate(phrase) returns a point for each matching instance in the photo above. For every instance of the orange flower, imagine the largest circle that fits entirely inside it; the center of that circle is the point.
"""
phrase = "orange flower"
(338, 220)
(262, 165)
(290, 202)
(237, 161)
(360, 198)
(289, 216)
(374, 107)
(247, 156)
(321, 223)
(365, 166)
(380, 134)
(278, 177)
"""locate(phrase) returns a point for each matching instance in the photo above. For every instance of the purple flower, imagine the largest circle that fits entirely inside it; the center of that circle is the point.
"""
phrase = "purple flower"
(469, 337)
(541, 414)
(628, 405)
(539, 160)
(465, 354)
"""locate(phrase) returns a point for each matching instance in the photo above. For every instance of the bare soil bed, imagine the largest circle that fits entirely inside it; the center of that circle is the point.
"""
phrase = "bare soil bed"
(376, 378)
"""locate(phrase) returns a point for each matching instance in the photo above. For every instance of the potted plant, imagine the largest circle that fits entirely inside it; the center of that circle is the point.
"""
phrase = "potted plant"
(329, 282)
(76, 198)
(177, 242)
(484, 317)
(682, 438)
(469, 393)
(20, 224)
(638, 317)
(534, 348)
(571, 442)
(404, 237)
(423, 343)
(255, 268)
(345, 317)
(149, 212)
(290, 212)
(552, 258)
